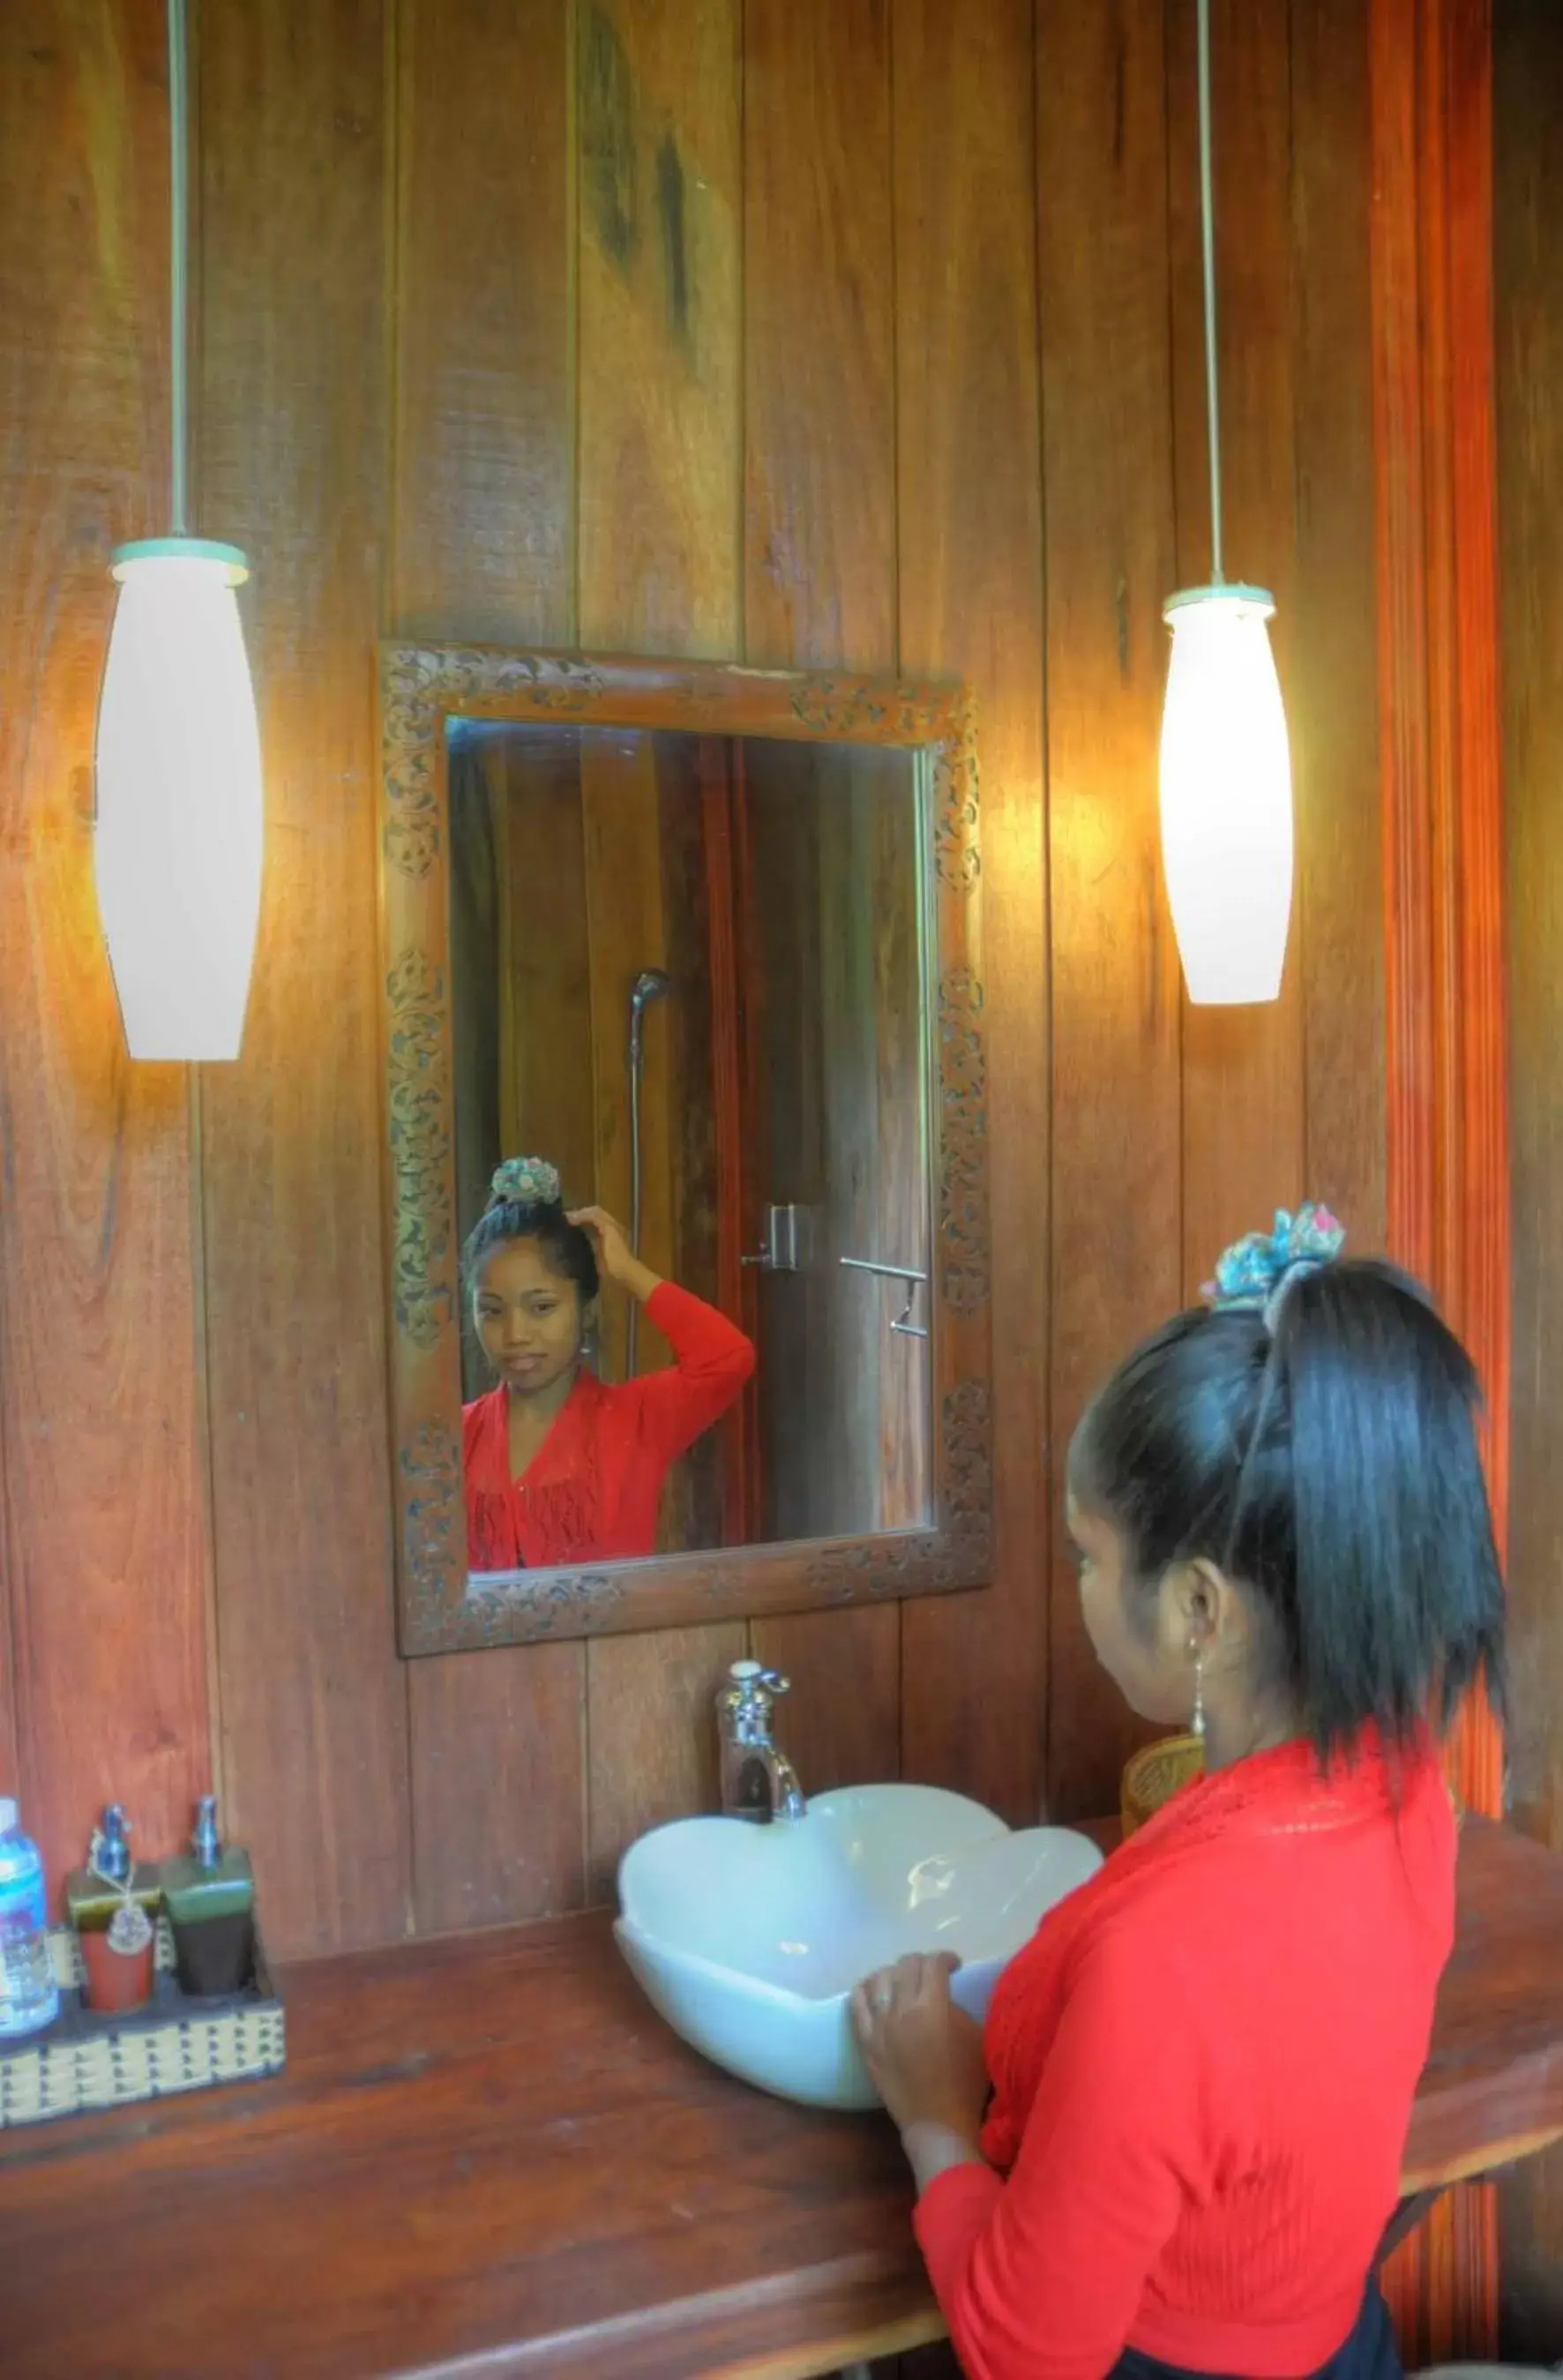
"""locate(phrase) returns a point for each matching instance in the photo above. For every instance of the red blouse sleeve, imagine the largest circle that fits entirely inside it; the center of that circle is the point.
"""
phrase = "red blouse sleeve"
(712, 1362)
(1041, 2277)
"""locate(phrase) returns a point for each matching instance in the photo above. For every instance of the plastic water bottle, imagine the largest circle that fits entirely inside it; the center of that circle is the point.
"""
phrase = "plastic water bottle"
(28, 1995)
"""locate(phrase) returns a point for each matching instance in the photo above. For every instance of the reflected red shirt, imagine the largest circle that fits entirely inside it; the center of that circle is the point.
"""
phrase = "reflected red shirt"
(1204, 2066)
(591, 1492)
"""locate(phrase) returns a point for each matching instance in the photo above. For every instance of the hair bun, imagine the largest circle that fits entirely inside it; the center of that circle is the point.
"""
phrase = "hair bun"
(525, 1181)
(1257, 1271)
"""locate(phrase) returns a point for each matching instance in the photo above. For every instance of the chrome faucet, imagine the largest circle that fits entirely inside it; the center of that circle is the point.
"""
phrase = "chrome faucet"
(757, 1780)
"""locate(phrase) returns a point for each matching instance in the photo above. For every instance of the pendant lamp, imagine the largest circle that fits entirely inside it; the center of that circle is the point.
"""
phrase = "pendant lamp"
(1225, 771)
(178, 845)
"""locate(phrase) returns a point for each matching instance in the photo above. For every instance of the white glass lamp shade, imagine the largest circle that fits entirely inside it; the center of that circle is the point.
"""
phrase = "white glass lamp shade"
(179, 829)
(1225, 796)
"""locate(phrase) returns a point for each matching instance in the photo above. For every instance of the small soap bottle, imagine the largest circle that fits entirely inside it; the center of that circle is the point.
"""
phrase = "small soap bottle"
(94, 1896)
(120, 1959)
(101, 1898)
(209, 1896)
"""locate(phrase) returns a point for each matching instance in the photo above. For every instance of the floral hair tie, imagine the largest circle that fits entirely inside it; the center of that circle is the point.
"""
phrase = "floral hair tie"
(525, 1181)
(1256, 1273)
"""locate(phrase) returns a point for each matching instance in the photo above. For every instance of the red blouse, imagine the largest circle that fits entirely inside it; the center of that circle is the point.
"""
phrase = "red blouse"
(1204, 2066)
(591, 1492)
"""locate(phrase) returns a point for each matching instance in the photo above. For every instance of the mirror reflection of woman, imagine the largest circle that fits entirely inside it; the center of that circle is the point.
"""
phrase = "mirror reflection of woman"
(562, 1467)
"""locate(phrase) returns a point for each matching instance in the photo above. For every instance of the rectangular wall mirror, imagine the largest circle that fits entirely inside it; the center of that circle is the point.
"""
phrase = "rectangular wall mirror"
(691, 953)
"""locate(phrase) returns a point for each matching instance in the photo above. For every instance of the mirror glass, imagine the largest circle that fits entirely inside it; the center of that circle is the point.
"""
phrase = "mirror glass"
(689, 982)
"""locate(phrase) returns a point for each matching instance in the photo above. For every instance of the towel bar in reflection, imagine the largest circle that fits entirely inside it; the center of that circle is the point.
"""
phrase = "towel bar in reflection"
(907, 1273)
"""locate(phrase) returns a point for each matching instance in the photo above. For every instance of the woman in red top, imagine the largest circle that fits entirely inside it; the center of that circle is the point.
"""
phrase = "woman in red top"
(1175, 2145)
(559, 1467)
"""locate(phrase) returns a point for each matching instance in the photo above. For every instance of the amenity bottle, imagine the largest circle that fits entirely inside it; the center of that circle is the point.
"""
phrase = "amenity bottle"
(29, 1997)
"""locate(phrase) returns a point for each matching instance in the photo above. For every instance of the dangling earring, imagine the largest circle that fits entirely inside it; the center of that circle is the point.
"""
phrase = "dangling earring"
(1196, 1725)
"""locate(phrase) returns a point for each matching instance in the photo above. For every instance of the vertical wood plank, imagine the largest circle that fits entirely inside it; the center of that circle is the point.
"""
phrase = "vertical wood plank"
(481, 542)
(1528, 257)
(483, 546)
(820, 397)
(834, 842)
(1332, 639)
(1244, 1137)
(104, 1551)
(654, 1697)
(546, 1077)
(1107, 472)
(886, 917)
(1530, 375)
(1447, 1183)
(724, 850)
(291, 424)
(820, 561)
(498, 1814)
(626, 930)
(659, 316)
(660, 330)
(970, 513)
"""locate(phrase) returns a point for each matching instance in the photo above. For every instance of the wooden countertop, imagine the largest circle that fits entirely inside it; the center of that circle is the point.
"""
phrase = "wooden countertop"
(489, 2158)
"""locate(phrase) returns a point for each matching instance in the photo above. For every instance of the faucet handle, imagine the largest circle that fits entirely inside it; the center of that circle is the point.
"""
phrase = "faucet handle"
(751, 1690)
(756, 1677)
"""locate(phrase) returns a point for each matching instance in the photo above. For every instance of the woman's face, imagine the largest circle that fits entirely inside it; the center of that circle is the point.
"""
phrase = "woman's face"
(1139, 1636)
(528, 1318)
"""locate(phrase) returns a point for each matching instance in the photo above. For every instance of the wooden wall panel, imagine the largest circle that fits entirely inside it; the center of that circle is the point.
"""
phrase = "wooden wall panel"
(1244, 1130)
(104, 1552)
(1107, 415)
(858, 316)
(841, 305)
(970, 548)
(1528, 105)
(659, 348)
(291, 429)
(483, 546)
(1331, 645)
(819, 567)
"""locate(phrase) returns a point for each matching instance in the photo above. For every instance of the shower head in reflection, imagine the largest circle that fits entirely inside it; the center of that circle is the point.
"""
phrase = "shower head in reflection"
(650, 984)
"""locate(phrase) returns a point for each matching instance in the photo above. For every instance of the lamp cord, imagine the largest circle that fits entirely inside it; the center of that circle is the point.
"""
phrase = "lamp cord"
(1208, 232)
(179, 209)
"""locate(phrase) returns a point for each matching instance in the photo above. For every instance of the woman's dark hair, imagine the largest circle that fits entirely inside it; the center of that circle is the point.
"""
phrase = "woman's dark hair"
(1330, 1467)
(566, 1249)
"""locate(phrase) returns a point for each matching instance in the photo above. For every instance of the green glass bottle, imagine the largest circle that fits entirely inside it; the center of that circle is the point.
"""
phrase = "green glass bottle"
(209, 1893)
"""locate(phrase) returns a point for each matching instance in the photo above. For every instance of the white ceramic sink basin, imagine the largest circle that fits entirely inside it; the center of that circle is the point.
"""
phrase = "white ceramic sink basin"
(749, 1940)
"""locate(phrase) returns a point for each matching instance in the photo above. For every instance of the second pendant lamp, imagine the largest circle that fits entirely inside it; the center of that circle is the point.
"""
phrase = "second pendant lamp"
(1225, 769)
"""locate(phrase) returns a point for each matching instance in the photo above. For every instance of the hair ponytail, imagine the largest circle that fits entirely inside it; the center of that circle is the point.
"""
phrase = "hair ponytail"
(1315, 1437)
(1399, 1595)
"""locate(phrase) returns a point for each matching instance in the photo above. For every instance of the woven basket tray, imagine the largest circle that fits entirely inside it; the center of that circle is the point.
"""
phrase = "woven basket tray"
(85, 2061)
(1154, 1775)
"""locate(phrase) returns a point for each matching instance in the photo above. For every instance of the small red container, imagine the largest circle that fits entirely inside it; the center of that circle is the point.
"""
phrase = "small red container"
(117, 1979)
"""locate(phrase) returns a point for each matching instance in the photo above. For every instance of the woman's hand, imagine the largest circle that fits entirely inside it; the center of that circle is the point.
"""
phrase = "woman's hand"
(616, 1260)
(924, 2053)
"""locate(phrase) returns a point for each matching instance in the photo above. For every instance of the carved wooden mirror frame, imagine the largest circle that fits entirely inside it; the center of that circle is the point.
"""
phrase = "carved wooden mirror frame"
(420, 688)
